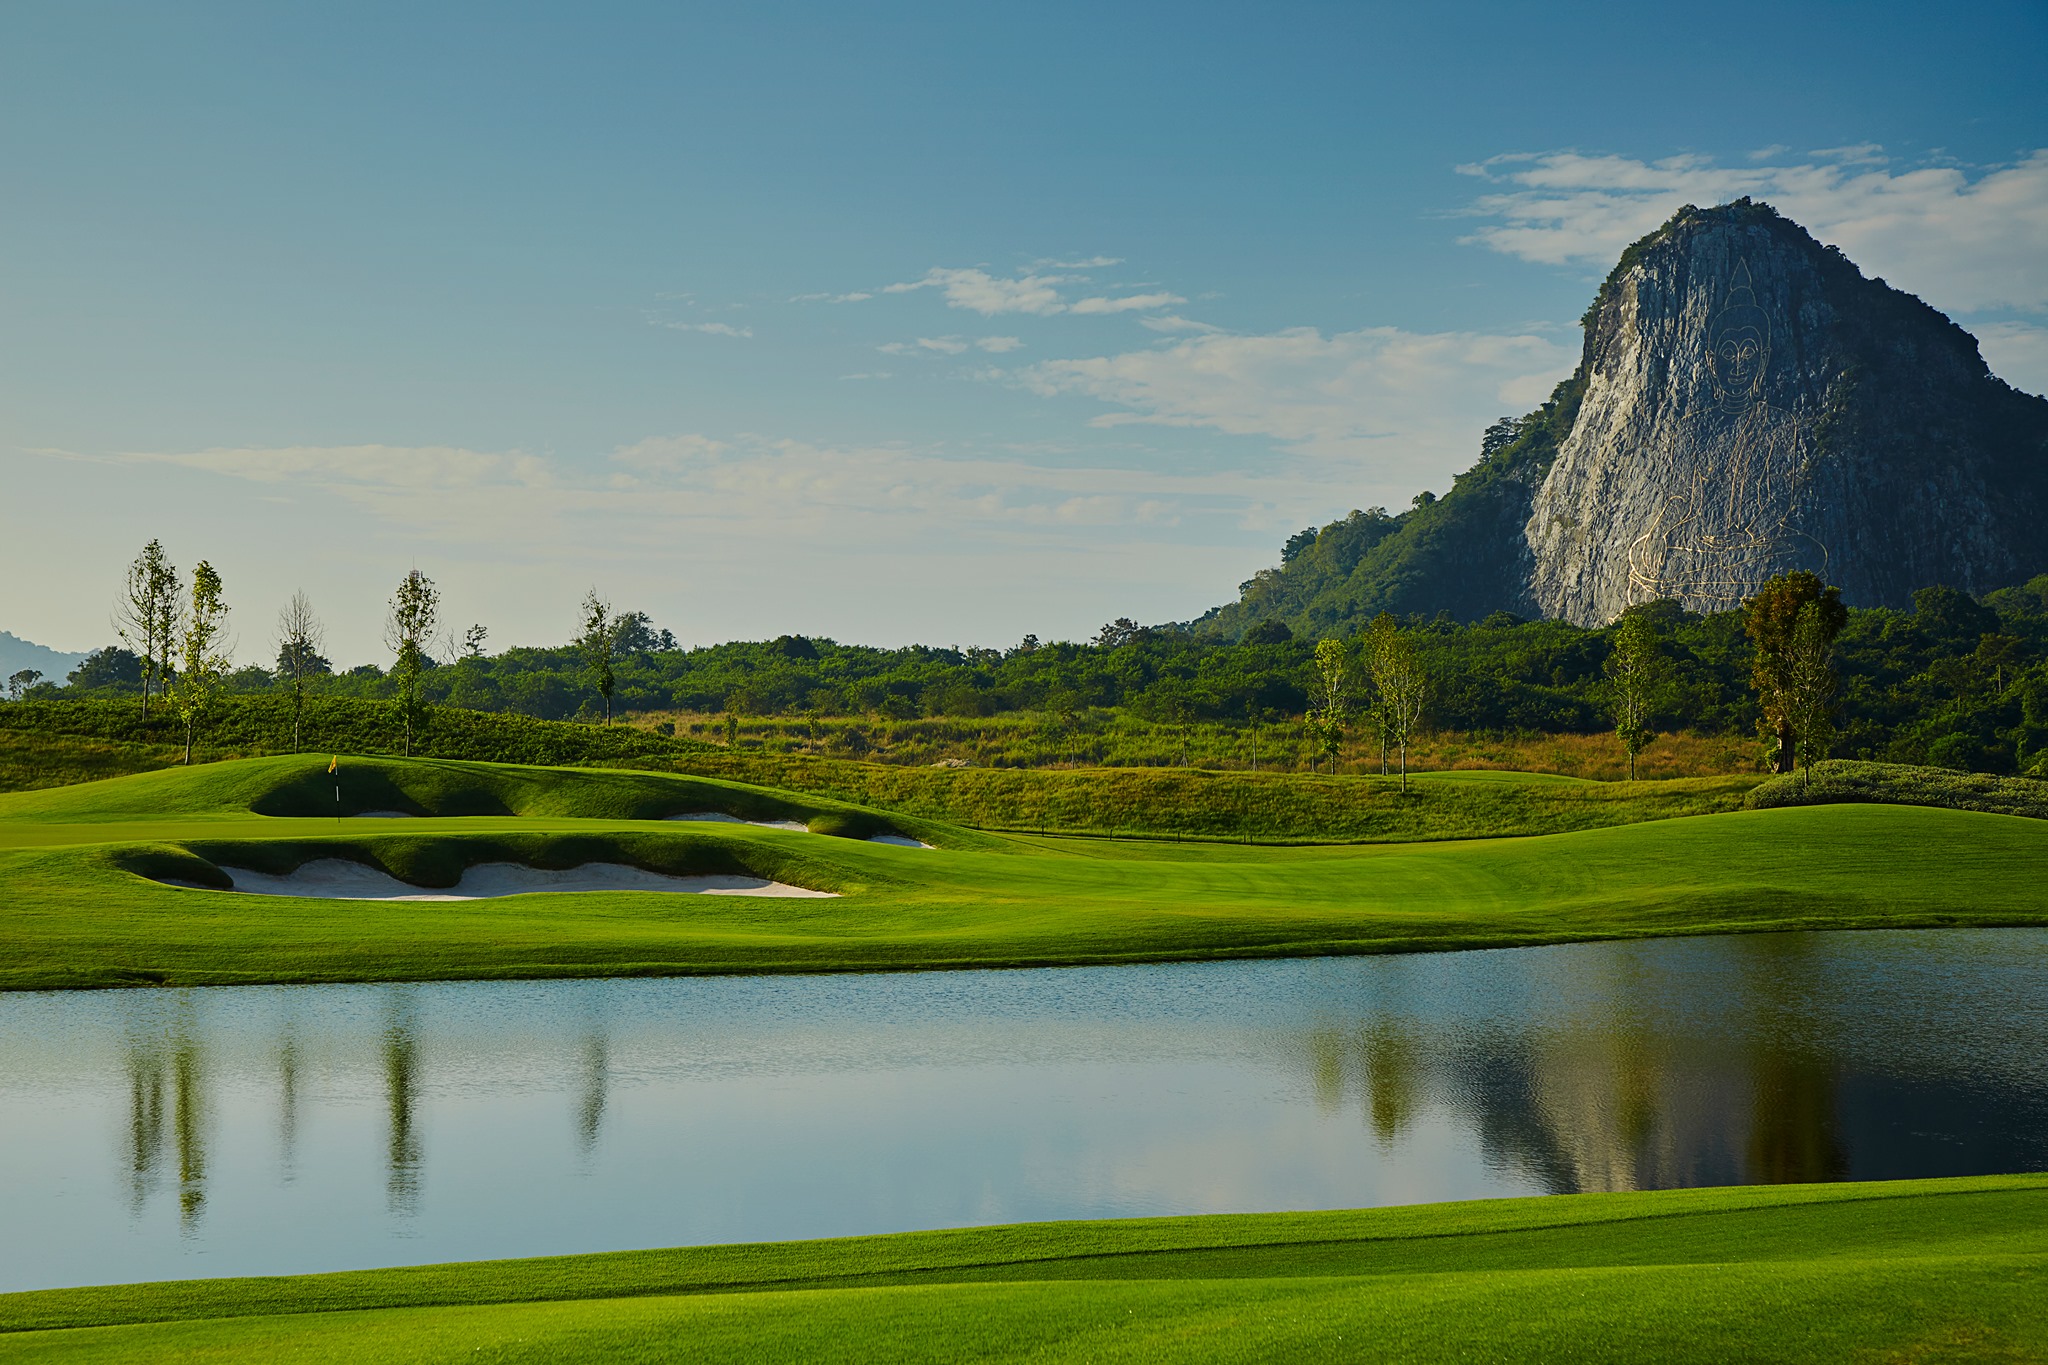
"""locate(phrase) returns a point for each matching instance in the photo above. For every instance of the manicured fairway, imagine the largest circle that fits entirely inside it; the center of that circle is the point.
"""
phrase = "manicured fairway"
(1938, 1270)
(80, 908)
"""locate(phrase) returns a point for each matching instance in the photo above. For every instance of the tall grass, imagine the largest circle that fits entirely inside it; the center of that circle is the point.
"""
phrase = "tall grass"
(1118, 739)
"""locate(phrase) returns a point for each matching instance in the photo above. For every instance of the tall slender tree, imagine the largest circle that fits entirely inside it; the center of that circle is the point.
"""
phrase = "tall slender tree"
(414, 609)
(1634, 668)
(1329, 698)
(202, 654)
(300, 638)
(147, 617)
(1399, 683)
(599, 643)
(1771, 619)
(1810, 686)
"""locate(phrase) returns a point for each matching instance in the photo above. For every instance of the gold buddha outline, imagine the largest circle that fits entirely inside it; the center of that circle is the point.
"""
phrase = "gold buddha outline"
(1734, 523)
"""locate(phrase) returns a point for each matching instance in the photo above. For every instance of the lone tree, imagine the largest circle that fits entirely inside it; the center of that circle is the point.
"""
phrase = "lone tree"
(1634, 668)
(407, 628)
(1329, 696)
(300, 638)
(1399, 683)
(599, 645)
(1810, 694)
(18, 683)
(202, 652)
(146, 617)
(1783, 671)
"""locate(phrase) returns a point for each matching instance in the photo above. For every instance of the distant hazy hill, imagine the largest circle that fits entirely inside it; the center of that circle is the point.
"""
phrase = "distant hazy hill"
(17, 654)
(1746, 403)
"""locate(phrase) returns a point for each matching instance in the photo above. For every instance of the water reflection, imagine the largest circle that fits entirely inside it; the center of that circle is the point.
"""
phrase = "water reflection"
(287, 1103)
(592, 1080)
(401, 1094)
(166, 1127)
(547, 1116)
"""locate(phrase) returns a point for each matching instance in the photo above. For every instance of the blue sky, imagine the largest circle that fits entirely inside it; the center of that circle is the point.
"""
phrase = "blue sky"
(889, 323)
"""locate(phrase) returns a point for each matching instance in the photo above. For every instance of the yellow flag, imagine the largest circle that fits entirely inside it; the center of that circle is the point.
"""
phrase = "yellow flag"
(334, 764)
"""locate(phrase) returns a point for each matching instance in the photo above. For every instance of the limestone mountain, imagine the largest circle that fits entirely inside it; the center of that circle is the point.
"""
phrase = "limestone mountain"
(1746, 402)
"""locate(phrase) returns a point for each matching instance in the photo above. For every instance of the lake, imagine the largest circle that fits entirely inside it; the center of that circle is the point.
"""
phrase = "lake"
(153, 1134)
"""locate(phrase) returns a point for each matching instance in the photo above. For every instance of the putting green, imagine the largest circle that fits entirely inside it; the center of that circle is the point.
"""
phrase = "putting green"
(82, 909)
(1909, 1270)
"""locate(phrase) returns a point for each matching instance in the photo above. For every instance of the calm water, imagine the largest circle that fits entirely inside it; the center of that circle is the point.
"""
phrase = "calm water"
(151, 1134)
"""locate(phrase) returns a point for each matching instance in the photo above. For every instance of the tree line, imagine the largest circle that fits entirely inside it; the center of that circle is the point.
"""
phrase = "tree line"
(1957, 682)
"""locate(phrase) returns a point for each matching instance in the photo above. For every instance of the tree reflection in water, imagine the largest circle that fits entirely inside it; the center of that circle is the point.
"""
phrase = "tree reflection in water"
(593, 1075)
(401, 1096)
(166, 1127)
(1592, 1085)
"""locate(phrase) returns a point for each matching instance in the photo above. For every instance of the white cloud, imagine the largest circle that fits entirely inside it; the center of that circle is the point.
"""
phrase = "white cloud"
(1091, 263)
(2016, 353)
(1174, 322)
(989, 294)
(733, 487)
(717, 329)
(1403, 407)
(999, 345)
(1963, 242)
(1133, 303)
(396, 468)
(870, 374)
(857, 296)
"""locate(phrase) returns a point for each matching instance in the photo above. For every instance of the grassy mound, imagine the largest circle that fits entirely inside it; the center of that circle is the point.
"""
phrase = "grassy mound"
(1899, 784)
(1909, 1270)
(303, 788)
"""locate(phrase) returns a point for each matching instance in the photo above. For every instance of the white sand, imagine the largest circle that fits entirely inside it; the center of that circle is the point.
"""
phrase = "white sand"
(899, 840)
(720, 817)
(341, 879)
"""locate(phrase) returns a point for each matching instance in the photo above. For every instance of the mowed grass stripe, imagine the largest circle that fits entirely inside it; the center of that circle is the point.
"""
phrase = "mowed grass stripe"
(1778, 1273)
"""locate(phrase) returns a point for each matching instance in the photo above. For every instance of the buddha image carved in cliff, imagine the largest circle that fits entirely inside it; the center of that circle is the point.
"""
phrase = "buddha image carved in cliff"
(1735, 462)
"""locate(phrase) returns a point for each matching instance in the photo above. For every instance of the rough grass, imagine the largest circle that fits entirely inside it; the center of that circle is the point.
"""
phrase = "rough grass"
(30, 760)
(1259, 807)
(81, 911)
(1911, 1270)
(1844, 780)
(253, 725)
(1117, 738)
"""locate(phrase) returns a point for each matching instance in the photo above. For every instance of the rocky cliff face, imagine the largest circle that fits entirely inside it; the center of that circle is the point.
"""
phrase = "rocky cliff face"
(1752, 404)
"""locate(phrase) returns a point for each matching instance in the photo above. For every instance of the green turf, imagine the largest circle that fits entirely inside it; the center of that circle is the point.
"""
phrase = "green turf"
(1911, 1270)
(81, 909)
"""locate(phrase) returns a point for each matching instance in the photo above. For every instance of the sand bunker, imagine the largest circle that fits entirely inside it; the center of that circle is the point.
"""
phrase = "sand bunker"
(720, 817)
(901, 841)
(340, 879)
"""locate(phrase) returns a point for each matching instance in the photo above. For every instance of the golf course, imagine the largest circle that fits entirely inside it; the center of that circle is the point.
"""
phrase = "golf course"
(303, 869)
(121, 882)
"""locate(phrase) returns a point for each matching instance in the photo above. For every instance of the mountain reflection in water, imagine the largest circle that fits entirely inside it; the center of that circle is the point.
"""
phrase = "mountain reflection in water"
(298, 1128)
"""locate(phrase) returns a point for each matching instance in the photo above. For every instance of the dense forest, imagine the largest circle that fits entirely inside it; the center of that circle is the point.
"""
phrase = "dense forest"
(1957, 682)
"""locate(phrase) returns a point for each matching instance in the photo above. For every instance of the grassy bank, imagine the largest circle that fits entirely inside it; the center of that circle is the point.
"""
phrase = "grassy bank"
(81, 909)
(1100, 737)
(243, 726)
(1844, 780)
(1265, 807)
(1910, 1271)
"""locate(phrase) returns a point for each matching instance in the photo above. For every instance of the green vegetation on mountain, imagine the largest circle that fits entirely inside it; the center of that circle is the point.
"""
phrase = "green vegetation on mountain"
(1902, 1270)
